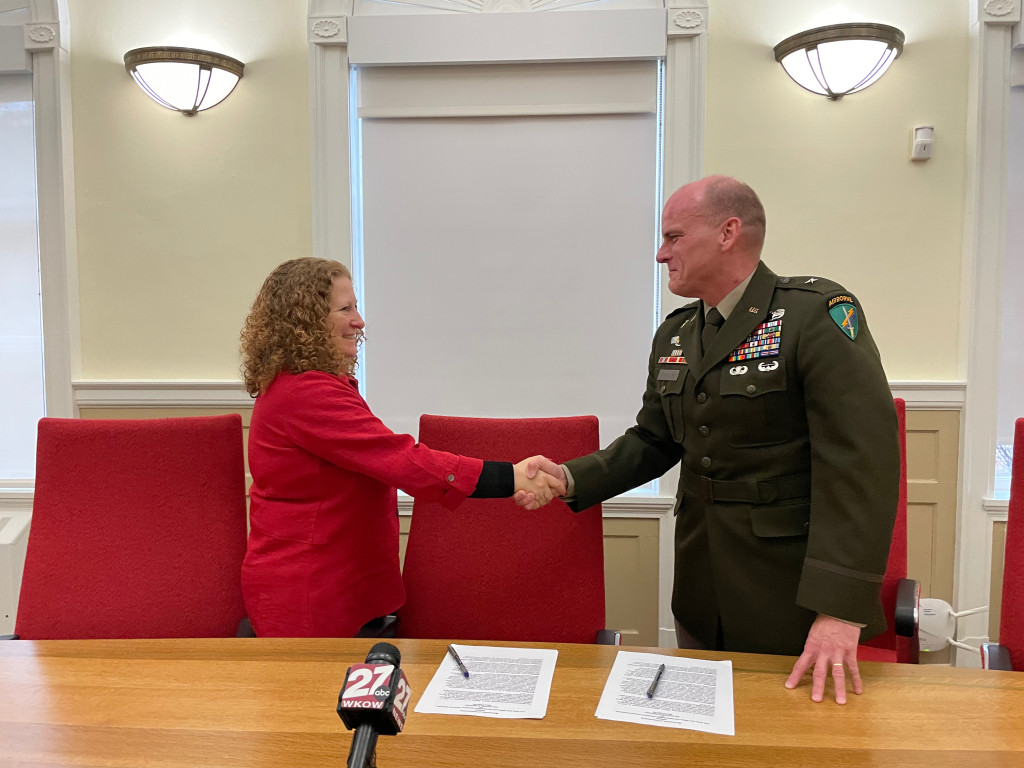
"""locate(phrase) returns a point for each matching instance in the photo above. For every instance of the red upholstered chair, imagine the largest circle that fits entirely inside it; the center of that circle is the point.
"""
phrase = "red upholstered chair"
(138, 530)
(492, 571)
(900, 595)
(1009, 652)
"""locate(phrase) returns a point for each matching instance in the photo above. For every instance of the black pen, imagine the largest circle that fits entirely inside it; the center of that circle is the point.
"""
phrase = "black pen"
(654, 685)
(457, 660)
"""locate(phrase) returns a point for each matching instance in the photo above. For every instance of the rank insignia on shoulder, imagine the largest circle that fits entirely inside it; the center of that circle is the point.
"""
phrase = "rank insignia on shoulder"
(845, 315)
(676, 359)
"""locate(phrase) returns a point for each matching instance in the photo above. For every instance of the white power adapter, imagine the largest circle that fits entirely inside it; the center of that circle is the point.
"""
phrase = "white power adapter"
(937, 624)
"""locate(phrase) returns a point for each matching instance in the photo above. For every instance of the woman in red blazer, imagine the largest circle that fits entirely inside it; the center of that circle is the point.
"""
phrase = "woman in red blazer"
(322, 557)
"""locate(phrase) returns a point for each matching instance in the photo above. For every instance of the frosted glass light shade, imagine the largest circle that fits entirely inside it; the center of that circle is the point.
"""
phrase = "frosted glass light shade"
(184, 79)
(839, 59)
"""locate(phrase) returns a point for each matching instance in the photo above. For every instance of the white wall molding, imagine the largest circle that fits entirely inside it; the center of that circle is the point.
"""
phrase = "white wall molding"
(996, 509)
(210, 393)
(992, 32)
(226, 393)
(931, 395)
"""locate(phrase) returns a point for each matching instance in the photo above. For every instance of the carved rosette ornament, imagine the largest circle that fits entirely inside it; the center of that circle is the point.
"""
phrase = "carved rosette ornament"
(326, 28)
(42, 34)
(1000, 7)
(688, 19)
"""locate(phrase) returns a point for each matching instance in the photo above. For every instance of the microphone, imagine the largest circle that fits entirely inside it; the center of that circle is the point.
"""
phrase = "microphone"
(374, 700)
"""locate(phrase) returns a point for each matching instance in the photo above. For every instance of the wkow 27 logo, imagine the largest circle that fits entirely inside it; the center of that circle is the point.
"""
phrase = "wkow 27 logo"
(380, 687)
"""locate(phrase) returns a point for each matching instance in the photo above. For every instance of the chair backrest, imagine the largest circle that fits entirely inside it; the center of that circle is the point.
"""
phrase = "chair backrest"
(896, 567)
(1011, 617)
(492, 571)
(138, 529)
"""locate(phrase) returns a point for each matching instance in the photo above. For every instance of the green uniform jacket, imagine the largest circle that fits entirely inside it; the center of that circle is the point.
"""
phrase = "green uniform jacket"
(790, 464)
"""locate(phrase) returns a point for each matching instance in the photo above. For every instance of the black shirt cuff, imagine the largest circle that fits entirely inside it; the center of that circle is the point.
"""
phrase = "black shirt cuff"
(497, 481)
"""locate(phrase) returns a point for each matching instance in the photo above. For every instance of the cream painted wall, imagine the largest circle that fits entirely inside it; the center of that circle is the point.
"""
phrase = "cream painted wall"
(842, 196)
(180, 219)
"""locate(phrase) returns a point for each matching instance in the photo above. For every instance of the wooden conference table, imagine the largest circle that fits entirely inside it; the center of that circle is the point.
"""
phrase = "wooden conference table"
(267, 702)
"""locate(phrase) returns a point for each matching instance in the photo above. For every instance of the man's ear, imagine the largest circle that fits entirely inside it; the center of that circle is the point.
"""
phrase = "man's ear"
(729, 233)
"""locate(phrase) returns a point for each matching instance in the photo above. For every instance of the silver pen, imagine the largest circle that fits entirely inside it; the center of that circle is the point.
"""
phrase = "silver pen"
(654, 685)
(457, 660)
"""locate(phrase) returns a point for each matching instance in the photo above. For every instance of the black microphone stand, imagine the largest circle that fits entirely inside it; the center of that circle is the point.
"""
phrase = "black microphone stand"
(363, 752)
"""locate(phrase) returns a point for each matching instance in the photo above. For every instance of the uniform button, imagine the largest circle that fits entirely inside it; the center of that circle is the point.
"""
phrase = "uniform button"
(783, 279)
(751, 388)
(702, 397)
(705, 462)
(451, 478)
(704, 431)
(807, 525)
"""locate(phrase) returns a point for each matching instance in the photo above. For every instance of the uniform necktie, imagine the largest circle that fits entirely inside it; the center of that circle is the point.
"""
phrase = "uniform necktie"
(712, 322)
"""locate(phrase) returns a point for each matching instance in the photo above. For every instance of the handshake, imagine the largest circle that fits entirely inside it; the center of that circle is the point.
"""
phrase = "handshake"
(538, 480)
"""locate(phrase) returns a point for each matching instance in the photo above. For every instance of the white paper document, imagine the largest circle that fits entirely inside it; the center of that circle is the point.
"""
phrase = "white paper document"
(691, 693)
(502, 682)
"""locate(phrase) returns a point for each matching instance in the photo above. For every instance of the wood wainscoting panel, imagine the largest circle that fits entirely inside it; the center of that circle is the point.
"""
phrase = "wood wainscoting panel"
(631, 578)
(933, 445)
(996, 588)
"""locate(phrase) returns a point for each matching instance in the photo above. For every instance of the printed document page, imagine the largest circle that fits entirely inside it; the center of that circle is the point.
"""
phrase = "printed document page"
(691, 693)
(502, 682)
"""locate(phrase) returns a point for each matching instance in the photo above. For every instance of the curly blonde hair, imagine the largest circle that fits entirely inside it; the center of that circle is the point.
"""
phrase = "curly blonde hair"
(286, 329)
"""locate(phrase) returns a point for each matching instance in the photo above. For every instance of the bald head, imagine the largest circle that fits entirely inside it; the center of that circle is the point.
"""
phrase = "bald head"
(712, 234)
(725, 196)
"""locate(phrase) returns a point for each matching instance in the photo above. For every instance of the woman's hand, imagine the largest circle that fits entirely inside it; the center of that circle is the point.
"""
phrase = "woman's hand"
(534, 492)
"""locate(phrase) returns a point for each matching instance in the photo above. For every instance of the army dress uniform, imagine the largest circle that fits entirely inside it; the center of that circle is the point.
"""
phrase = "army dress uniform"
(788, 488)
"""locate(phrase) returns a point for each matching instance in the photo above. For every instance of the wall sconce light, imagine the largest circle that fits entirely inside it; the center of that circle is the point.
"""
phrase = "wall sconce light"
(840, 58)
(185, 79)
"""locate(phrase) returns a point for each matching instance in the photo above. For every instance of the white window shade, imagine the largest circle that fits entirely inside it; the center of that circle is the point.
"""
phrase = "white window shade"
(508, 264)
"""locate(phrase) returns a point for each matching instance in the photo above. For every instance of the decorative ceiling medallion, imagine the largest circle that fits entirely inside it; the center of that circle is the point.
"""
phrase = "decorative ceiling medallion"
(688, 19)
(41, 34)
(999, 7)
(326, 28)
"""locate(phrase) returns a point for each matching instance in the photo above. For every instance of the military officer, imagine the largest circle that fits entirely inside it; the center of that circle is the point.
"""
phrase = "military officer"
(770, 392)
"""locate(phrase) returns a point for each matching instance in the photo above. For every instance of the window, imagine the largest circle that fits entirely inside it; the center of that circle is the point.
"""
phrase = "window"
(1011, 344)
(507, 247)
(21, 340)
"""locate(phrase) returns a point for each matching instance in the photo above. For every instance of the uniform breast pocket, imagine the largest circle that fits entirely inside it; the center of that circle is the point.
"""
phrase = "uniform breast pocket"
(757, 398)
(670, 387)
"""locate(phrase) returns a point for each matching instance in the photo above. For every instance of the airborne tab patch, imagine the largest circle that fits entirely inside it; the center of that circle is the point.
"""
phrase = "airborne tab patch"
(842, 310)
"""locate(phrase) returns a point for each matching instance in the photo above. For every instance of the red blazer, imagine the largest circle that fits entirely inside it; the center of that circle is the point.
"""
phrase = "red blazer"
(322, 557)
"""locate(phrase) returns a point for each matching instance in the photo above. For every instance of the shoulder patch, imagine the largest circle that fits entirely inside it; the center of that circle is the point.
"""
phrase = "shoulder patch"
(843, 310)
